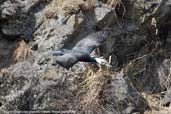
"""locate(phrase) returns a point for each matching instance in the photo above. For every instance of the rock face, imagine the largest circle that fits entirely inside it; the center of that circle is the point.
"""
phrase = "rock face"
(18, 17)
(140, 55)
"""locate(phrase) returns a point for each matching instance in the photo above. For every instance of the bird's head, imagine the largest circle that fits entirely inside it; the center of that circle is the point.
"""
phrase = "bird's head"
(102, 61)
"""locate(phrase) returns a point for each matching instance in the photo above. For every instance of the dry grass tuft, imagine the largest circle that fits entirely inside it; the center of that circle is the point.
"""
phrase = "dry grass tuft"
(137, 65)
(89, 4)
(112, 3)
(57, 2)
(154, 101)
(90, 90)
(4, 72)
(61, 7)
(73, 6)
(12, 52)
(49, 13)
(21, 52)
(116, 4)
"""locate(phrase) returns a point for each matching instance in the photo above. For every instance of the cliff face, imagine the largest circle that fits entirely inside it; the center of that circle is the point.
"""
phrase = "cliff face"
(140, 55)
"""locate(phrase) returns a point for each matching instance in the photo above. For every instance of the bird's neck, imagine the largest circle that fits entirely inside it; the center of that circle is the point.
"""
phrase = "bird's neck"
(92, 59)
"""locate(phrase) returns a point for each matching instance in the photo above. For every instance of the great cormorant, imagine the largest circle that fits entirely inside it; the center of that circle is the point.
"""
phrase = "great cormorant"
(82, 50)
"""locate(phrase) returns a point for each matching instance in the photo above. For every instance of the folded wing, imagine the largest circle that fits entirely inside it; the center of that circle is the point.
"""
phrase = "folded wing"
(67, 60)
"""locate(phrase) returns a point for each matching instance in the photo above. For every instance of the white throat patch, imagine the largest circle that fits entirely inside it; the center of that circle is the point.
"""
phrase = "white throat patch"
(102, 61)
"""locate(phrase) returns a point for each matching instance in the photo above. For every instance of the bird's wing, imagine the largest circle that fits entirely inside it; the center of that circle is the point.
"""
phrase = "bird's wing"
(92, 41)
(67, 60)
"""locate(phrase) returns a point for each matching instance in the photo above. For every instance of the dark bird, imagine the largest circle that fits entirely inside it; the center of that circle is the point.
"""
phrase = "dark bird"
(82, 50)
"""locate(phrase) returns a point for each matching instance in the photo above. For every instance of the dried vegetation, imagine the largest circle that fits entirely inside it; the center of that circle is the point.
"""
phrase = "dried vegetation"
(21, 52)
(12, 53)
(74, 6)
(90, 90)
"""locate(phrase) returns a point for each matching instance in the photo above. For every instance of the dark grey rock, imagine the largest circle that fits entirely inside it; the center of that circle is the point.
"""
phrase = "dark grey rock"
(126, 99)
(19, 17)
